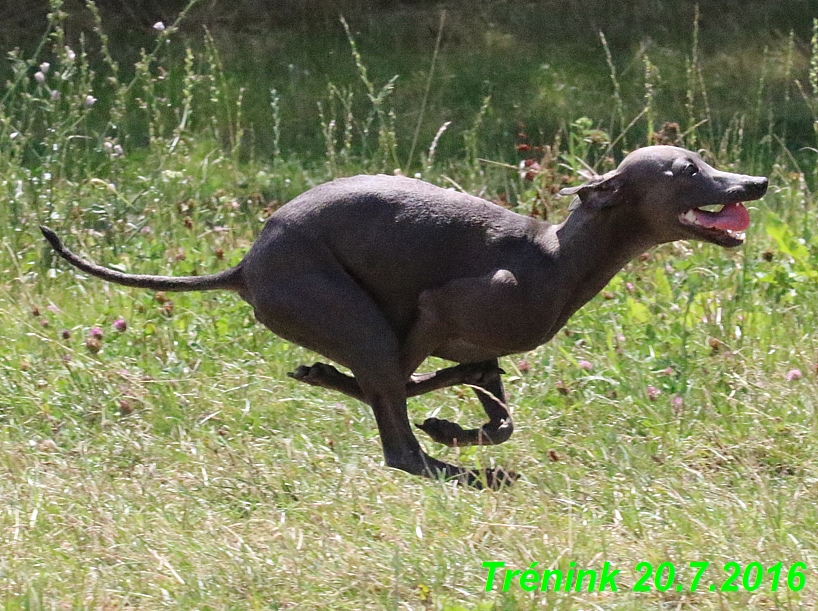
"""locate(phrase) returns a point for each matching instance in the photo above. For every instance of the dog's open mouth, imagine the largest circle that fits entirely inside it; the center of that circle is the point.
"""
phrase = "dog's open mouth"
(725, 226)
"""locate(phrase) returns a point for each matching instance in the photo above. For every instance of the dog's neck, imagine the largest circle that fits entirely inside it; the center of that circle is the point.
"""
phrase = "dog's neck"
(589, 248)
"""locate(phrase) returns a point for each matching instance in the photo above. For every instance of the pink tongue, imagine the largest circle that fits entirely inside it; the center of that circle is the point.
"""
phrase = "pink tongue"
(733, 217)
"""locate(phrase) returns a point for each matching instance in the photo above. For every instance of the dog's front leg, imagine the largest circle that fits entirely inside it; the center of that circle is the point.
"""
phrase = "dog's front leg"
(327, 376)
(469, 317)
(490, 392)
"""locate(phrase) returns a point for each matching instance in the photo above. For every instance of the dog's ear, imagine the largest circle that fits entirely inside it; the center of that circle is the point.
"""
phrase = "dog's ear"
(599, 192)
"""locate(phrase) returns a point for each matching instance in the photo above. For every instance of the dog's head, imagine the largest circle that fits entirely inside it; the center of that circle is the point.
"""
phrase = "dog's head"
(665, 189)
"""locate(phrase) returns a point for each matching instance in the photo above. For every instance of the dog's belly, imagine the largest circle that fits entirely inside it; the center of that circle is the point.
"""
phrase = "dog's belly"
(462, 351)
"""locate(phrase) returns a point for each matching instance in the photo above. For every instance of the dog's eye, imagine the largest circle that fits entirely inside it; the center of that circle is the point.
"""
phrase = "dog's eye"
(689, 169)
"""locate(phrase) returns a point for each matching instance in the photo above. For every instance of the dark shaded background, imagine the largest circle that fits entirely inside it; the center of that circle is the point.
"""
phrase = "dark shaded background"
(24, 20)
(541, 60)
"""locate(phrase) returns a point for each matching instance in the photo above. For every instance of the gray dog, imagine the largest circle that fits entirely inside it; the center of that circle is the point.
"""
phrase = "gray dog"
(377, 273)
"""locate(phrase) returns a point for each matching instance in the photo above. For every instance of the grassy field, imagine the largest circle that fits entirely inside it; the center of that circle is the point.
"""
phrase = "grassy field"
(155, 455)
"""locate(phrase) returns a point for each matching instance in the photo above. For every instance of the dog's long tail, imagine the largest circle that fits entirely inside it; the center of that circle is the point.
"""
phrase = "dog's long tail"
(230, 279)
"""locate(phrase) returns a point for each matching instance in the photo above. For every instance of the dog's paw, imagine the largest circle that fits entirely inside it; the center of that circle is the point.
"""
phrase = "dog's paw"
(492, 479)
(499, 478)
(455, 436)
(317, 374)
(301, 373)
(444, 431)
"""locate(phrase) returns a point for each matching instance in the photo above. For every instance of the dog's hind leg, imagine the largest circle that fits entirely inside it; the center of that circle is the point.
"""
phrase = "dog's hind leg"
(490, 392)
(324, 309)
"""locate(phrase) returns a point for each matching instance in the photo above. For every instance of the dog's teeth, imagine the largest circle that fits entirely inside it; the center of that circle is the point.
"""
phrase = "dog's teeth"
(690, 217)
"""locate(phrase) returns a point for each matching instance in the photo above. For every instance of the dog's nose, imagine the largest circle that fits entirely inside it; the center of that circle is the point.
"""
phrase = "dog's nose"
(759, 184)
